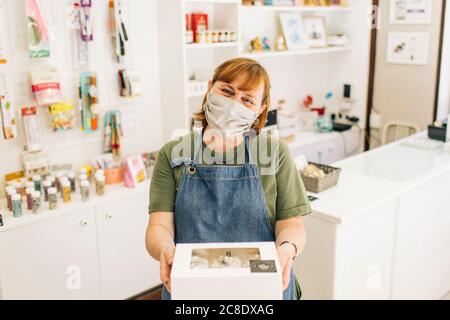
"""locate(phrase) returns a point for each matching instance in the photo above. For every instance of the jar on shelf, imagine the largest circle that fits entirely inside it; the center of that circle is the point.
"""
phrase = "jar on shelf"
(100, 184)
(84, 189)
(37, 183)
(189, 36)
(52, 179)
(66, 191)
(200, 37)
(222, 37)
(47, 184)
(215, 36)
(16, 205)
(227, 35)
(52, 198)
(71, 177)
(233, 36)
(36, 202)
(209, 36)
(10, 191)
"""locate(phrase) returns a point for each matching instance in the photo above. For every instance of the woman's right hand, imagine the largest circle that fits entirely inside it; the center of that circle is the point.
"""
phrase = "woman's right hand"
(165, 263)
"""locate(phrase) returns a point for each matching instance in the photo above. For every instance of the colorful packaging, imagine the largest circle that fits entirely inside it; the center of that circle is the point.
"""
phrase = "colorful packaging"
(89, 102)
(7, 112)
(62, 116)
(3, 58)
(38, 39)
(135, 172)
(199, 23)
(45, 85)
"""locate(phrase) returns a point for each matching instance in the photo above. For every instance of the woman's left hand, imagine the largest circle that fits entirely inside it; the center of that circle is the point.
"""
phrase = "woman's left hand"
(285, 255)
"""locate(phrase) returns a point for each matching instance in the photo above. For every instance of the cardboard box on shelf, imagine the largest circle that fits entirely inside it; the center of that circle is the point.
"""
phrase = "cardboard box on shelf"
(226, 271)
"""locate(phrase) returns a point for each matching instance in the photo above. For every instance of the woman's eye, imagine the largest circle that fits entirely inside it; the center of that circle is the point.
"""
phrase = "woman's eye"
(227, 91)
(248, 101)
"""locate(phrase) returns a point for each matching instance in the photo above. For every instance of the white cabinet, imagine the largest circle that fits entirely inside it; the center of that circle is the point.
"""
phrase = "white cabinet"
(125, 266)
(53, 259)
(82, 251)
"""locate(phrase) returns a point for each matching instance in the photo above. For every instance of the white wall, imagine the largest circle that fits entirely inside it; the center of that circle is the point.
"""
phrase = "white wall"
(444, 91)
(142, 116)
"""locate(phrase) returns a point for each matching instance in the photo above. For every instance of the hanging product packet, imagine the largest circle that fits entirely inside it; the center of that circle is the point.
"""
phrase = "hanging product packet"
(7, 112)
(62, 117)
(38, 39)
(135, 172)
(45, 85)
(3, 58)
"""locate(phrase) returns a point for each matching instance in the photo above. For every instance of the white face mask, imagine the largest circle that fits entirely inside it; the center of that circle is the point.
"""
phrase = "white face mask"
(228, 115)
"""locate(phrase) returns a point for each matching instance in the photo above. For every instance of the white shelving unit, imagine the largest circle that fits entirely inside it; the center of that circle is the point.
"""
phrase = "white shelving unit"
(294, 74)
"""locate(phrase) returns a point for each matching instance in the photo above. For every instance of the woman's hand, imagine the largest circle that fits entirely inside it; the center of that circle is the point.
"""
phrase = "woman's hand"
(286, 254)
(165, 265)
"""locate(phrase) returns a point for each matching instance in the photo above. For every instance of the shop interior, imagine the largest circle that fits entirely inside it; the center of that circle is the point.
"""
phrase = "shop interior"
(90, 91)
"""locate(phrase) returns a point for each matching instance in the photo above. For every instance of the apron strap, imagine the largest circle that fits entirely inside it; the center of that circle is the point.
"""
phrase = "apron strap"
(198, 134)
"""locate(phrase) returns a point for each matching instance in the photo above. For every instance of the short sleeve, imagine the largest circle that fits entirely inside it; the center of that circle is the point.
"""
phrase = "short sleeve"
(292, 200)
(163, 183)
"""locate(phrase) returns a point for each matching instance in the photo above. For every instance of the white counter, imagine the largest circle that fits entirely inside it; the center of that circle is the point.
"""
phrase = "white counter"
(384, 231)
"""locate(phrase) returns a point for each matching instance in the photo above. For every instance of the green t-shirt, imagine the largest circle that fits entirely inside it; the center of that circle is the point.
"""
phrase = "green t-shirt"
(284, 191)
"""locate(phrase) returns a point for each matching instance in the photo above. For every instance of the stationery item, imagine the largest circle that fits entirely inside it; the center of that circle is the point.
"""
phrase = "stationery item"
(45, 85)
(32, 132)
(16, 205)
(113, 133)
(129, 83)
(29, 192)
(86, 24)
(52, 199)
(84, 187)
(36, 164)
(119, 32)
(135, 172)
(81, 49)
(62, 117)
(7, 112)
(36, 202)
(89, 102)
(38, 39)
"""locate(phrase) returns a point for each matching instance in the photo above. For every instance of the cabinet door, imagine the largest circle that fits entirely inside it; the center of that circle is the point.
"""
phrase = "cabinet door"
(126, 267)
(52, 259)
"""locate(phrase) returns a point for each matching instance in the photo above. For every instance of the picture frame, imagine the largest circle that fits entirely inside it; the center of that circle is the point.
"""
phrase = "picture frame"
(408, 48)
(410, 11)
(293, 31)
(316, 31)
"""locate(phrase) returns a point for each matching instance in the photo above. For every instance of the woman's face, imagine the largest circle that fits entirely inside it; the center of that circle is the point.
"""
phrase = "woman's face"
(252, 99)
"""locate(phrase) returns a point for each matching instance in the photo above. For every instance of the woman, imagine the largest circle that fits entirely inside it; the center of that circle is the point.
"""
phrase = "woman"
(206, 187)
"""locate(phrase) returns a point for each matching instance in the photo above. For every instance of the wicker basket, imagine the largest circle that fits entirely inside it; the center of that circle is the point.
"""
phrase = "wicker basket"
(318, 185)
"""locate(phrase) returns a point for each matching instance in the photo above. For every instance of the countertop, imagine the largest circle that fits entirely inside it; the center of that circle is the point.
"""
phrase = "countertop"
(376, 176)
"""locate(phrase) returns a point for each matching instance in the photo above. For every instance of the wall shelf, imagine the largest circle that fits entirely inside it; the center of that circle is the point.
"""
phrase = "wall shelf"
(295, 52)
(296, 9)
(211, 45)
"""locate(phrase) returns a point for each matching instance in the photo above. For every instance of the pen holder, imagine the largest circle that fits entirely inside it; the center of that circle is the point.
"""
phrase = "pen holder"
(114, 175)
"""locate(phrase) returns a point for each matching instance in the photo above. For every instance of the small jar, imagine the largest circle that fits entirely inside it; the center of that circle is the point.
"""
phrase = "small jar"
(189, 36)
(66, 191)
(71, 177)
(37, 183)
(215, 36)
(233, 36)
(29, 192)
(100, 185)
(36, 202)
(222, 36)
(209, 36)
(84, 188)
(16, 205)
(29, 184)
(200, 37)
(52, 180)
(20, 188)
(52, 198)
(227, 36)
(47, 184)
(9, 192)
(59, 176)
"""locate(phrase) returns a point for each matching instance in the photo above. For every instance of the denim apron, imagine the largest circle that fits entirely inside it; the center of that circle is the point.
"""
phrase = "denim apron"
(222, 204)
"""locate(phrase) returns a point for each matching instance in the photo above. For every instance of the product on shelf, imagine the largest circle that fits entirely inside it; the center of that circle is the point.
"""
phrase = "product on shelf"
(66, 191)
(29, 192)
(38, 39)
(10, 191)
(7, 112)
(36, 202)
(36, 164)
(16, 205)
(100, 184)
(47, 184)
(84, 189)
(52, 198)
(71, 177)
(45, 85)
(135, 172)
(37, 182)
(62, 116)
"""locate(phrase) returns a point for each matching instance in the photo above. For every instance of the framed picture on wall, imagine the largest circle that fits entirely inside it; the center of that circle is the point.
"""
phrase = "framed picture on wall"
(316, 31)
(408, 48)
(293, 30)
(410, 11)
